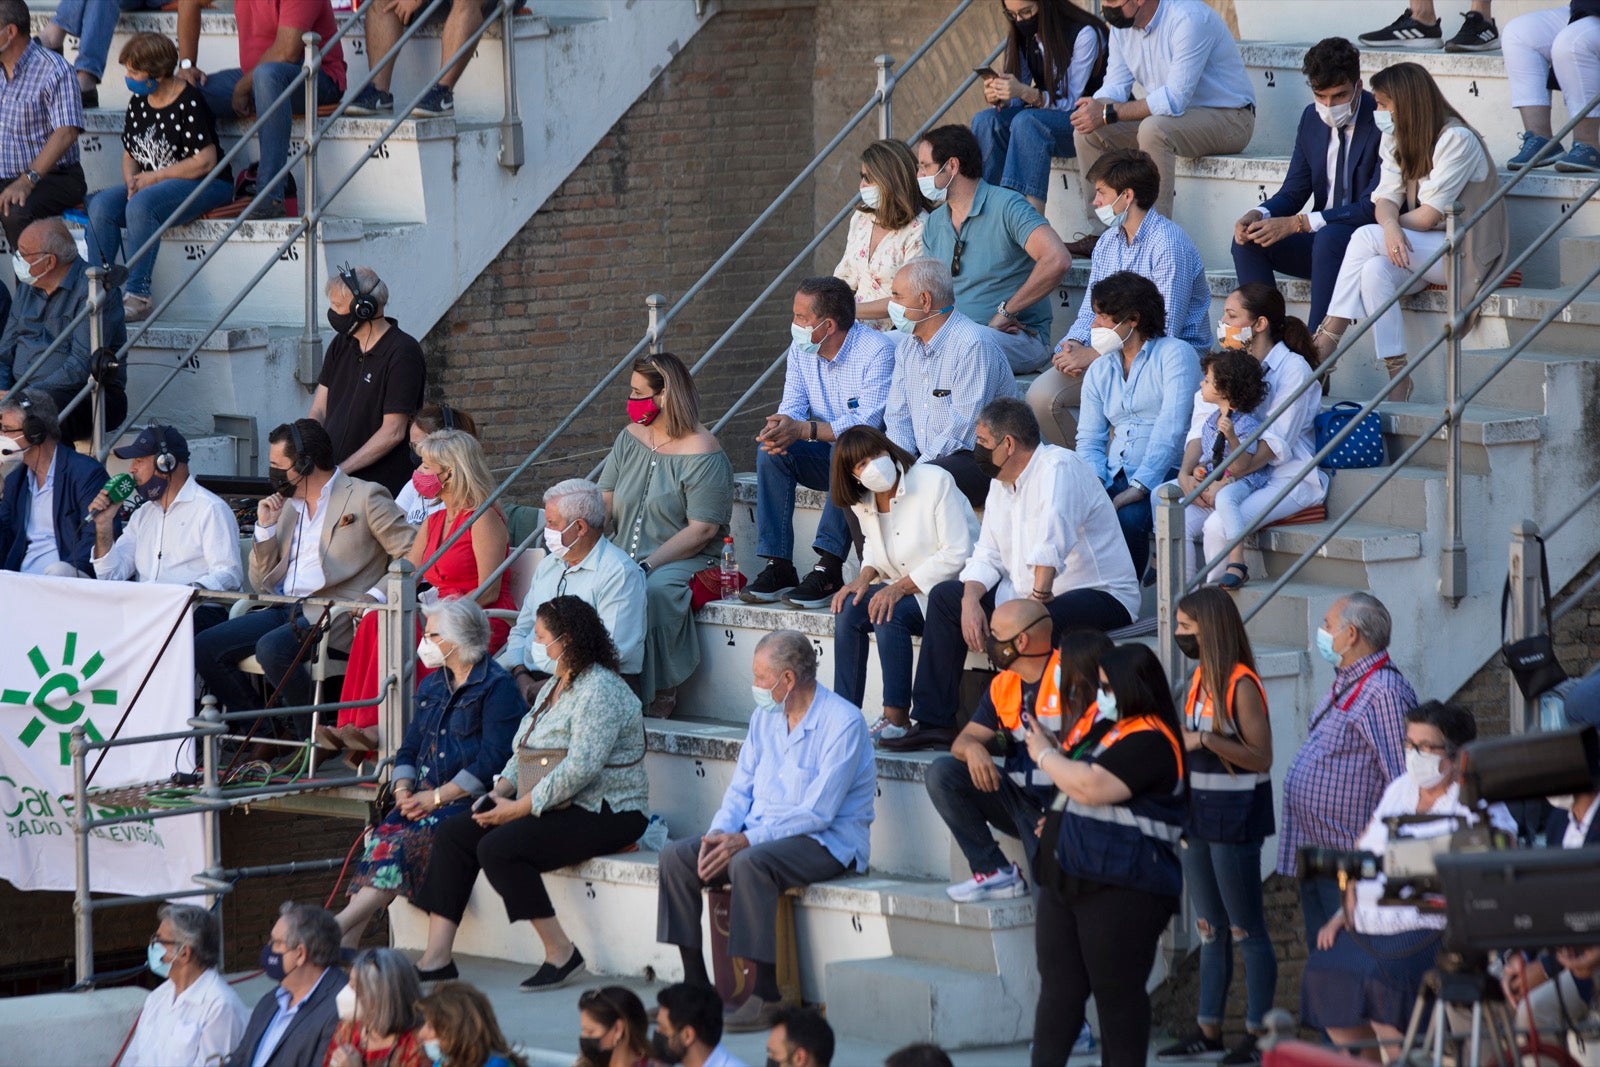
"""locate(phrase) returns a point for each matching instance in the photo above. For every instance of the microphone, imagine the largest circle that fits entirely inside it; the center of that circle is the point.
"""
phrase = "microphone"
(118, 489)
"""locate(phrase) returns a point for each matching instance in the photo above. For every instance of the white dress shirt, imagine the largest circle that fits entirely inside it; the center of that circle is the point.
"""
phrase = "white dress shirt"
(191, 1029)
(608, 580)
(1457, 161)
(1348, 131)
(1184, 58)
(1292, 435)
(1056, 514)
(41, 528)
(302, 574)
(193, 542)
(721, 1057)
(927, 533)
(1577, 832)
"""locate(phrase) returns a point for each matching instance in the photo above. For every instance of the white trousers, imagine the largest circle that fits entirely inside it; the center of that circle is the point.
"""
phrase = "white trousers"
(1239, 509)
(1367, 278)
(1540, 40)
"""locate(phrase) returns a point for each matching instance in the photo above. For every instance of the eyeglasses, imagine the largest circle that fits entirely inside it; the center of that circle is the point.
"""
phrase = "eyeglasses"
(10, 431)
(156, 940)
(1428, 749)
(1019, 16)
(955, 259)
(431, 635)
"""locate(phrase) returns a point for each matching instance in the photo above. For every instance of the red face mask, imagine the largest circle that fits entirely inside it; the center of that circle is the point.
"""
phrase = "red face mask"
(428, 486)
(644, 411)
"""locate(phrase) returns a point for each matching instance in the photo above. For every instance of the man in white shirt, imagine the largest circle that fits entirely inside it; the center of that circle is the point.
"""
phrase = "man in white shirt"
(584, 563)
(194, 1018)
(689, 1028)
(1049, 532)
(183, 535)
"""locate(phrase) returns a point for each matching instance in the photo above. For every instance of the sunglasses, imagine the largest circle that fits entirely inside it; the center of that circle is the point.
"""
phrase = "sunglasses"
(955, 258)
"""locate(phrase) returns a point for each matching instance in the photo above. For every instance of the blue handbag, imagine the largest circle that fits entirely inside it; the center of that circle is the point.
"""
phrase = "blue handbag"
(1364, 446)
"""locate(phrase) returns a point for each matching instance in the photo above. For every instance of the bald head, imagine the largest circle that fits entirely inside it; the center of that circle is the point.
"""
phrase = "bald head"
(49, 250)
(1014, 616)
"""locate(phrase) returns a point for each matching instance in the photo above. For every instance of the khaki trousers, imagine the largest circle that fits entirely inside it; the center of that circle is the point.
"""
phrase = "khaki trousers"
(1199, 131)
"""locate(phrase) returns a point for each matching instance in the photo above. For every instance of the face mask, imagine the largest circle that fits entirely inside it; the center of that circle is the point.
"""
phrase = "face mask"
(272, 963)
(878, 475)
(430, 654)
(643, 411)
(1109, 216)
(345, 1002)
(801, 335)
(550, 651)
(1423, 767)
(433, 1050)
(279, 477)
(1189, 645)
(1004, 653)
(1233, 336)
(984, 458)
(11, 451)
(871, 196)
(24, 272)
(1563, 802)
(155, 959)
(1336, 115)
(589, 1048)
(1384, 120)
(1106, 702)
(141, 88)
(1118, 18)
(663, 1051)
(929, 184)
(428, 486)
(552, 541)
(764, 699)
(1028, 26)
(153, 489)
(1105, 340)
(1325, 647)
(342, 322)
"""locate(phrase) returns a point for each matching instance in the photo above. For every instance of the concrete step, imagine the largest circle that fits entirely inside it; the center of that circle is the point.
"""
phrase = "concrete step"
(1346, 559)
(1483, 429)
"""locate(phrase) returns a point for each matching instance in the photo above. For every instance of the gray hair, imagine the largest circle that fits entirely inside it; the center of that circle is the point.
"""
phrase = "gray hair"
(1006, 416)
(463, 622)
(579, 499)
(39, 404)
(196, 928)
(1368, 615)
(387, 992)
(56, 240)
(790, 650)
(313, 928)
(925, 274)
(370, 283)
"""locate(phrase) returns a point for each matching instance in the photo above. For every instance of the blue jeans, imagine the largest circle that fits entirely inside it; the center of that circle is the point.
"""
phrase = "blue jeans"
(269, 636)
(93, 23)
(273, 137)
(1224, 882)
(804, 463)
(1018, 144)
(850, 630)
(969, 812)
(143, 213)
(1137, 519)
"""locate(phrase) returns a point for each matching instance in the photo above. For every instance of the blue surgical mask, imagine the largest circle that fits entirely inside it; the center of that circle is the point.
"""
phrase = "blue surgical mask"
(897, 315)
(1109, 216)
(1106, 705)
(432, 1050)
(1384, 120)
(1325, 646)
(155, 958)
(764, 698)
(801, 335)
(141, 88)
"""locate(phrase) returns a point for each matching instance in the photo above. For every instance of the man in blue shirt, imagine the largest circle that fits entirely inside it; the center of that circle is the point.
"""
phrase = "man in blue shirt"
(838, 377)
(1198, 98)
(292, 1025)
(1006, 260)
(798, 811)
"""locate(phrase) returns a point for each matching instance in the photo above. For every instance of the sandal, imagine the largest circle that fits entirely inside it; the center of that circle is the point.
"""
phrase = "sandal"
(356, 739)
(1237, 576)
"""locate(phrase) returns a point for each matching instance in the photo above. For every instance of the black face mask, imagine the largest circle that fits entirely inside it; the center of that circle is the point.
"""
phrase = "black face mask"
(1117, 17)
(1028, 26)
(589, 1048)
(1004, 653)
(662, 1051)
(1189, 645)
(984, 458)
(280, 481)
(343, 322)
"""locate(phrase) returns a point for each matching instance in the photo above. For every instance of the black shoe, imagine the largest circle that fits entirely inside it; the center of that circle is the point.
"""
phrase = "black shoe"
(817, 590)
(549, 976)
(919, 737)
(90, 98)
(446, 973)
(1244, 1054)
(1196, 1047)
(1407, 33)
(771, 584)
(1478, 34)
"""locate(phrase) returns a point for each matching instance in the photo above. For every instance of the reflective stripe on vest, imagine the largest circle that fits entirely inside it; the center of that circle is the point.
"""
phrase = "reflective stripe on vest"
(1114, 813)
(1005, 693)
(1213, 782)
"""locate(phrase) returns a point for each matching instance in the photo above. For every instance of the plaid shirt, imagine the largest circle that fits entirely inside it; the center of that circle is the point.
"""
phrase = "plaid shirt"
(40, 98)
(848, 390)
(1354, 750)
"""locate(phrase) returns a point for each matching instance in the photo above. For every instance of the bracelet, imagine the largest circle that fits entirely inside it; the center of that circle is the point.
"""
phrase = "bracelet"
(437, 802)
(813, 429)
(1305, 223)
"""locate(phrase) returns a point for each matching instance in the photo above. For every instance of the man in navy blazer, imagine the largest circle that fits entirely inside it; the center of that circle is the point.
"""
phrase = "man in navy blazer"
(1337, 134)
(60, 542)
(1583, 709)
(292, 1025)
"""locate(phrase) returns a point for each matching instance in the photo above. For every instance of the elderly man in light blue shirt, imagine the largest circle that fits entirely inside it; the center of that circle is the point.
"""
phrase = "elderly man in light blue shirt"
(798, 811)
(583, 563)
(1198, 98)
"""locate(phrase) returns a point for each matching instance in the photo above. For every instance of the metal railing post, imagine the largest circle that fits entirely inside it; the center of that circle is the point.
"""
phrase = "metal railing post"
(97, 340)
(397, 635)
(1169, 577)
(211, 820)
(311, 339)
(885, 65)
(1524, 615)
(82, 912)
(512, 154)
(654, 303)
(1453, 556)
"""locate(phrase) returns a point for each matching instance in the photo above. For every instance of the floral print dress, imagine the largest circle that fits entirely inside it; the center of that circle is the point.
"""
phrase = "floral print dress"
(870, 271)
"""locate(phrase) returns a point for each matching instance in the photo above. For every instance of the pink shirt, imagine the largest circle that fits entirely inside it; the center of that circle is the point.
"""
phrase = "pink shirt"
(258, 28)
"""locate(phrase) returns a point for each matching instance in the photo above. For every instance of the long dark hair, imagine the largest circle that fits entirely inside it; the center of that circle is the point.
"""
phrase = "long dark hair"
(1140, 686)
(1263, 301)
(588, 642)
(609, 1005)
(1060, 22)
(1080, 665)
(1223, 642)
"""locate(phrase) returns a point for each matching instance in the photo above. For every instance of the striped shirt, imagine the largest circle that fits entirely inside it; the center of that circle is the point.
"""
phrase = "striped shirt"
(848, 390)
(940, 387)
(1352, 753)
(1163, 252)
(38, 98)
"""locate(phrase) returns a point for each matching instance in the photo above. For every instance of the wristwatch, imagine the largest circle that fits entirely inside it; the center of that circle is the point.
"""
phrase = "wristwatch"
(1002, 311)
(1134, 483)
(1109, 116)
(32, 175)
(185, 64)
(644, 565)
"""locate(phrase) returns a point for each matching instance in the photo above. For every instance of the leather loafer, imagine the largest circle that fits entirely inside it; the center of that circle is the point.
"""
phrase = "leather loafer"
(920, 737)
(753, 1015)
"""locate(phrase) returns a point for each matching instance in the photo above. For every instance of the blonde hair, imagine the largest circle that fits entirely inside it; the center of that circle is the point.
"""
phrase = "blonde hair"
(893, 169)
(460, 453)
(679, 397)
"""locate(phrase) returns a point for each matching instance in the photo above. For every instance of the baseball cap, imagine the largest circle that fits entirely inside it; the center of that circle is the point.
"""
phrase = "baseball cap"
(148, 443)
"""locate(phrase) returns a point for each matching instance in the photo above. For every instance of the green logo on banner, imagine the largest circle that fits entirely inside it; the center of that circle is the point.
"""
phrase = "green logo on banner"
(56, 699)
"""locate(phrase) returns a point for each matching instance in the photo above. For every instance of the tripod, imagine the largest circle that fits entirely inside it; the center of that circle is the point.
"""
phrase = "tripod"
(1461, 981)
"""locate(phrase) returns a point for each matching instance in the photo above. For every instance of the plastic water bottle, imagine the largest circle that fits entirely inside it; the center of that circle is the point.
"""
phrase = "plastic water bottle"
(729, 571)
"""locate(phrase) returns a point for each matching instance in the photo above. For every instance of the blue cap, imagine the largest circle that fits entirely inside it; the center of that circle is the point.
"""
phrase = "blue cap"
(148, 443)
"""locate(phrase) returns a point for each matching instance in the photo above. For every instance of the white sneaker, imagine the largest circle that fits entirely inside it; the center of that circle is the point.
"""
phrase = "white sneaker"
(1003, 884)
(884, 730)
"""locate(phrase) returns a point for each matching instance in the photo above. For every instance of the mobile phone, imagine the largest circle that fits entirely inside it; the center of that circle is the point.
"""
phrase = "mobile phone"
(483, 803)
(1028, 721)
(984, 72)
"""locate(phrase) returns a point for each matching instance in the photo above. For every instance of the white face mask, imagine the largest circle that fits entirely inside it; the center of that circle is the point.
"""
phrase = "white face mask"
(1108, 214)
(929, 184)
(1423, 767)
(552, 541)
(1384, 120)
(1106, 340)
(25, 275)
(430, 655)
(1233, 336)
(871, 196)
(879, 474)
(11, 451)
(764, 698)
(1105, 705)
(1336, 115)
(345, 1000)
(1564, 801)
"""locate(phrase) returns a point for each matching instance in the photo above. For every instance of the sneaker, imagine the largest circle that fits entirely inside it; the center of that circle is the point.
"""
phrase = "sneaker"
(1583, 159)
(1003, 884)
(136, 308)
(752, 1016)
(1478, 34)
(437, 103)
(1197, 1047)
(1243, 1054)
(1532, 144)
(549, 976)
(371, 101)
(817, 590)
(1085, 1043)
(884, 730)
(270, 208)
(1406, 32)
(777, 579)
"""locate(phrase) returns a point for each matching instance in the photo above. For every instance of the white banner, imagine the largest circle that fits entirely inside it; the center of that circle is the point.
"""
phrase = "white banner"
(75, 652)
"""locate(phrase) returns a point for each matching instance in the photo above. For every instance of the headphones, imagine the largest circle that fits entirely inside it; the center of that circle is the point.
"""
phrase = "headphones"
(33, 430)
(362, 306)
(448, 416)
(302, 462)
(166, 462)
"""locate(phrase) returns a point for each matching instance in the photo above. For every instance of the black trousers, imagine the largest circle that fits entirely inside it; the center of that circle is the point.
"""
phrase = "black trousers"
(1102, 943)
(973, 483)
(516, 855)
(79, 425)
(57, 191)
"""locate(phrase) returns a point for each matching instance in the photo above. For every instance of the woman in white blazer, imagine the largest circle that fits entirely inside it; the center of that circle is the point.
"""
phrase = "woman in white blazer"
(919, 531)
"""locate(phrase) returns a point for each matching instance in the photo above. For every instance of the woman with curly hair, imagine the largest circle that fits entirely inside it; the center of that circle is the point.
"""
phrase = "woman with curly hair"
(573, 789)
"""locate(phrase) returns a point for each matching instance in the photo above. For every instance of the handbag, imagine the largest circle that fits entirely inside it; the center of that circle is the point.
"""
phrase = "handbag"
(706, 586)
(1363, 448)
(534, 765)
(1532, 660)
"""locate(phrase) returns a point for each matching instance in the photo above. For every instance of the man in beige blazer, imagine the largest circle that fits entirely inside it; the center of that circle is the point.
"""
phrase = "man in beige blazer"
(321, 534)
